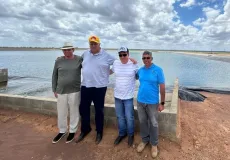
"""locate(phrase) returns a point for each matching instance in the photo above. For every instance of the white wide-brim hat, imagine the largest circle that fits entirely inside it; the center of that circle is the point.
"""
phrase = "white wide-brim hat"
(67, 45)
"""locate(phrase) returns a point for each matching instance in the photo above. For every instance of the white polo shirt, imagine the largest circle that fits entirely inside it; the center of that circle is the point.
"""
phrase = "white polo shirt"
(124, 79)
(96, 69)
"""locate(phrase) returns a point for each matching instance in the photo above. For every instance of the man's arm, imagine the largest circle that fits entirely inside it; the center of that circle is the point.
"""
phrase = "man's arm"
(112, 69)
(162, 93)
(54, 79)
(136, 71)
(161, 82)
(81, 60)
(110, 59)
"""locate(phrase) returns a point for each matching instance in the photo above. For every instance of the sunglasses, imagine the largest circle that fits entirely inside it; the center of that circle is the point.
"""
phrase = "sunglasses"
(124, 55)
(146, 58)
(93, 44)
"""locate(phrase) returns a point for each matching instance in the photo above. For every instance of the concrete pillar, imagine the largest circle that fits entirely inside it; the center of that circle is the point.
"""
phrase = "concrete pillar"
(3, 77)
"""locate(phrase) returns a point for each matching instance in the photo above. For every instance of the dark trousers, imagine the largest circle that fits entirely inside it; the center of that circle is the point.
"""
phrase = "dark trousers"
(97, 95)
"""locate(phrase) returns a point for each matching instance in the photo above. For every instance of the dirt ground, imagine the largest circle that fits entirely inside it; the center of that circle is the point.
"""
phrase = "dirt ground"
(205, 136)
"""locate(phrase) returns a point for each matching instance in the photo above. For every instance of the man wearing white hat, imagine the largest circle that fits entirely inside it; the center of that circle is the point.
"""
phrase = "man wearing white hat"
(66, 81)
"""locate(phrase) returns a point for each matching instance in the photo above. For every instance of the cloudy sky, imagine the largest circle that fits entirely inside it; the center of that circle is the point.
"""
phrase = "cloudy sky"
(156, 24)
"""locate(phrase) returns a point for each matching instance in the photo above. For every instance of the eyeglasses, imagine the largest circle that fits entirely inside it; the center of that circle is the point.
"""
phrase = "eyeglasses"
(146, 58)
(124, 55)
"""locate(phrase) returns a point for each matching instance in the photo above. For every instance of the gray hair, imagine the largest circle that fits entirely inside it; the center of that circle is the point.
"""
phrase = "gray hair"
(148, 53)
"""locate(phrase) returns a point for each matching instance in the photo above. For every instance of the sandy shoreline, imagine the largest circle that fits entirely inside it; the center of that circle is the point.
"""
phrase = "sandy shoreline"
(205, 53)
(224, 57)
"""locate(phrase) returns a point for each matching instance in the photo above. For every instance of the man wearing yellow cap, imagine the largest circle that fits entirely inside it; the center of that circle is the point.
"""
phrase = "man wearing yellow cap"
(95, 71)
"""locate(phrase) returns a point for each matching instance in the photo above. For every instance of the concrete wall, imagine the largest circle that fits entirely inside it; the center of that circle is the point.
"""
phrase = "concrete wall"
(3, 78)
(3, 75)
(168, 119)
(29, 104)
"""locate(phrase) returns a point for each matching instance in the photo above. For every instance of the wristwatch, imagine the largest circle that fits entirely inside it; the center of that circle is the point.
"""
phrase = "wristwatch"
(162, 103)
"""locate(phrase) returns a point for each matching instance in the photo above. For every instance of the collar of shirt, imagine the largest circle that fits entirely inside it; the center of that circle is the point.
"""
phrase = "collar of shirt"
(100, 52)
(152, 66)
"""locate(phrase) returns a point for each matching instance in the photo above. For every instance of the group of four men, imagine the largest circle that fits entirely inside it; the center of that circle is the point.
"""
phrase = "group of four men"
(95, 67)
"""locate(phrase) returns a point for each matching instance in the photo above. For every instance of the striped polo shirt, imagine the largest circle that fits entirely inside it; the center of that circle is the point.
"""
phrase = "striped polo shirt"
(124, 79)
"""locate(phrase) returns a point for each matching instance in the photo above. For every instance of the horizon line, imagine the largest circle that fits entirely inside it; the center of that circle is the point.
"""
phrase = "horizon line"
(4, 47)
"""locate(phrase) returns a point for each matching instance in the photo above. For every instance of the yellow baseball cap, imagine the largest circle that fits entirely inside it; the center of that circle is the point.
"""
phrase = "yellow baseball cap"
(94, 39)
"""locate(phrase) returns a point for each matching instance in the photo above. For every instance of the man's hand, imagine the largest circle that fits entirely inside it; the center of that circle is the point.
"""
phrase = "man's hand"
(55, 95)
(133, 60)
(161, 107)
(110, 72)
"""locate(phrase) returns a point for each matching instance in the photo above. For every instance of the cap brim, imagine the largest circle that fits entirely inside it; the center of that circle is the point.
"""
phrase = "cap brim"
(94, 41)
(66, 48)
(122, 51)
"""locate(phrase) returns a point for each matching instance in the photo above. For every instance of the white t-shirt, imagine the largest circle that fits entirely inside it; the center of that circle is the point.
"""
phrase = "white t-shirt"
(124, 79)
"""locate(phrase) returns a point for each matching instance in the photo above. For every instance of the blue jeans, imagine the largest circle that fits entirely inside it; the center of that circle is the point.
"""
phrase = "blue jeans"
(125, 116)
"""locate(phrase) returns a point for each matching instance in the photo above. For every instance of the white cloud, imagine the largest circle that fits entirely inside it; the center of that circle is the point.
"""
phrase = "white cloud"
(135, 23)
(211, 13)
(216, 6)
(215, 26)
(189, 3)
(199, 22)
(202, 3)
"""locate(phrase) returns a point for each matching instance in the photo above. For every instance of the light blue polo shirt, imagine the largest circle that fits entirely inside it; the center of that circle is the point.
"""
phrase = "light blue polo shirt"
(150, 79)
(96, 69)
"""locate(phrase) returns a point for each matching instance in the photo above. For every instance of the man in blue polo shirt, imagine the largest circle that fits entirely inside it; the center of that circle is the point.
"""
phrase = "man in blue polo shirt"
(151, 78)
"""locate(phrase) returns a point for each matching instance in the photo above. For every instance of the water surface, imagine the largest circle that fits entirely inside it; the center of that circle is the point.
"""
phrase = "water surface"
(30, 71)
